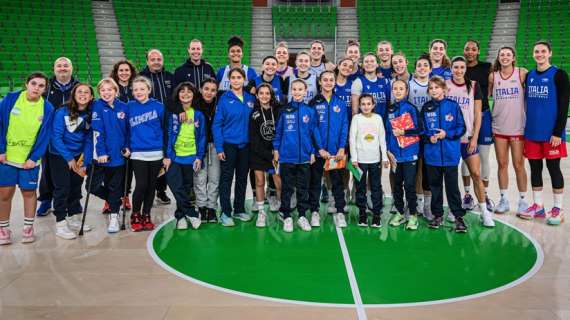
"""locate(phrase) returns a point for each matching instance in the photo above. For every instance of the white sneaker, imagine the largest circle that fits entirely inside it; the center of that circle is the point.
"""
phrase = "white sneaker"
(315, 219)
(195, 222)
(113, 223)
(74, 222)
(181, 224)
(293, 200)
(274, 204)
(261, 217)
(503, 206)
(288, 225)
(450, 217)
(303, 223)
(523, 206)
(62, 231)
(487, 218)
(340, 221)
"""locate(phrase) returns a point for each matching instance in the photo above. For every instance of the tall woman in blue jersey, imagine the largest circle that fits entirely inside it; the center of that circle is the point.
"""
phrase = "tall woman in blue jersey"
(235, 55)
(370, 83)
(440, 63)
(231, 138)
(70, 136)
(547, 95)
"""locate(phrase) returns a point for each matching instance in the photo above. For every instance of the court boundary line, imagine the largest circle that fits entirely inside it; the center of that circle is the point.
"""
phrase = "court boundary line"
(360, 311)
(536, 267)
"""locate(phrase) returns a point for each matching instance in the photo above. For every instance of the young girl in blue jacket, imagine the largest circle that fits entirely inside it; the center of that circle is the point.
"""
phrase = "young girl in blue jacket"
(70, 137)
(146, 147)
(294, 152)
(109, 121)
(406, 157)
(231, 138)
(184, 154)
(443, 126)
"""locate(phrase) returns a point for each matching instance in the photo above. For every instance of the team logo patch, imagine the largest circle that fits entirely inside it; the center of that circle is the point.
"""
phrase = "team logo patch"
(545, 80)
(250, 104)
(336, 109)
(94, 115)
(121, 115)
(449, 117)
(197, 123)
(369, 137)
(306, 119)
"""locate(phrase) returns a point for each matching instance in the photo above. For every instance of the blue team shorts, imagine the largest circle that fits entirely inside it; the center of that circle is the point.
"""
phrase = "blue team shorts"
(465, 154)
(486, 131)
(11, 176)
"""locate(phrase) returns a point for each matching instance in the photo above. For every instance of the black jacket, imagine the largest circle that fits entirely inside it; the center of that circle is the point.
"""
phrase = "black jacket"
(57, 94)
(162, 86)
(209, 110)
(125, 93)
(193, 73)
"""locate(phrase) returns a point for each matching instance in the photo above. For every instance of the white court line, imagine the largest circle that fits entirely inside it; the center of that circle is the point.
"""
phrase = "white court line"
(351, 277)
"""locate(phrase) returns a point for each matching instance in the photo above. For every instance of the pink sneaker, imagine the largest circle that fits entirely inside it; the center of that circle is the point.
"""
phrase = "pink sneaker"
(28, 234)
(533, 212)
(555, 217)
(5, 236)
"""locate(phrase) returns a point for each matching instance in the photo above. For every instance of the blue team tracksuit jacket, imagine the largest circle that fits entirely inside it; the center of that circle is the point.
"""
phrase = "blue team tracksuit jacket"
(71, 138)
(109, 131)
(409, 153)
(231, 121)
(174, 125)
(332, 122)
(147, 126)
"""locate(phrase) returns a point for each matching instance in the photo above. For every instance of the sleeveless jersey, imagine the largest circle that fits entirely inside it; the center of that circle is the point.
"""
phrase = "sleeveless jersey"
(380, 90)
(541, 105)
(185, 144)
(466, 101)
(345, 94)
(312, 89)
(25, 122)
(224, 80)
(444, 72)
(418, 94)
(286, 72)
(508, 109)
(318, 69)
(275, 84)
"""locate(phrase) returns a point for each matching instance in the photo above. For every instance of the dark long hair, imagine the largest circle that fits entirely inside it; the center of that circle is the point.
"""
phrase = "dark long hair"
(272, 101)
(468, 83)
(176, 92)
(72, 104)
(115, 72)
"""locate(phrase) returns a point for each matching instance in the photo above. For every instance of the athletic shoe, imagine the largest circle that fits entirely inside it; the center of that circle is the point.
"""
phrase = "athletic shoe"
(376, 221)
(490, 204)
(162, 198)
(44, 208)
(243, 216)
(325, 194)
(136, 222)
(315, 219)
(288, 225)
(362, 219)
(522, 206)
(533, 212)
(195, 222)
(487, 219)
(5, 236)
(28, 234)
(203, 213)
(555, 217)
(436, 222)
(147, 223)
(261, 218)
(340, 220)
(274, 204)
(226, 221)
(62, 231)
(113, 223)
(127, 203)
(503, 206)
(106, 209)
(468, 202)
(212, 217)
(412, 223)
(396, 220)
(74, 222)
(460, 226)
(304, 224)
(181, 224)
(450, 217)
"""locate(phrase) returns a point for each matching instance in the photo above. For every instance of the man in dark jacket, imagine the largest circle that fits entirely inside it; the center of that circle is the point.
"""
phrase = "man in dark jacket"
(195, 69)
(57, 93)
(162, 85)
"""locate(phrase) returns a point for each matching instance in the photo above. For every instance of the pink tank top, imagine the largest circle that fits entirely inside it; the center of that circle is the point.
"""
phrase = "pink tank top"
(508, 109)
(458, 93)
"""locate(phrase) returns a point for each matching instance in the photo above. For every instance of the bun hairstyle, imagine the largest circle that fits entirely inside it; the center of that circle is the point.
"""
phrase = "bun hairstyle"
(235, 41)
(352, 42)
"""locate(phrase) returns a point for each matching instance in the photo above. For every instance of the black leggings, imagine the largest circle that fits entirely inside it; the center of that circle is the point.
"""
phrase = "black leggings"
(553, 166)
(146, 173)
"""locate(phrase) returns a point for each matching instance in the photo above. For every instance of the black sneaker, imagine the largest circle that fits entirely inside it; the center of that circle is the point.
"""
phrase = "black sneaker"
(436, 222)
(376, 221)
(162, 198)
(203, 214)
(460, 226)
(212, 218)
(363, 219)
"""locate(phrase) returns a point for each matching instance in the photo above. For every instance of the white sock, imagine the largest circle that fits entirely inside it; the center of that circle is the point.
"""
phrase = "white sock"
(558, 200)
(4, 223)
(29, 221)
(503, 193)
(486, 193)
(537, 195)
(522, 195)
(260, 205)
(420, 196)
(427, 201)
(467, 189)
(483, 207)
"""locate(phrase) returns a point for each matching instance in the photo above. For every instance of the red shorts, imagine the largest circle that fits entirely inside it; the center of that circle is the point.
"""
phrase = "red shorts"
(543, 150)
(509, 137)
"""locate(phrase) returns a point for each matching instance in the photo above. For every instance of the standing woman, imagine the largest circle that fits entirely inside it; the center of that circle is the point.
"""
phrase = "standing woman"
(370, 83)
(268, 75)
(235, 55)
(109, 121)
(344, 81)
(25, 121)
(353, 52)
(384, 53)
(70, 138)
(547, 94)
(302, 72)
(507, 89)
(146, 149)
(319, 62)
(206, 180)
(440, 62)
(282, 55)
(261, 132)
(467, 94)
(231, 138)
(123, 73)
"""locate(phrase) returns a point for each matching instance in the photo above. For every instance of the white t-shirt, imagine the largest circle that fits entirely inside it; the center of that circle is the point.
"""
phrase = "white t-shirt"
(367, 139)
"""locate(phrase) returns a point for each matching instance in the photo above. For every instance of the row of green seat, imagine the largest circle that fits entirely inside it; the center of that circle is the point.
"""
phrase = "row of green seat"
(304, 21)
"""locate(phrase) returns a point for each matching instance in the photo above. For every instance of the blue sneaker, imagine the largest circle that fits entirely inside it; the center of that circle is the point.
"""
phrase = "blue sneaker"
(243, 216)
(226, 221)
(44, 209)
